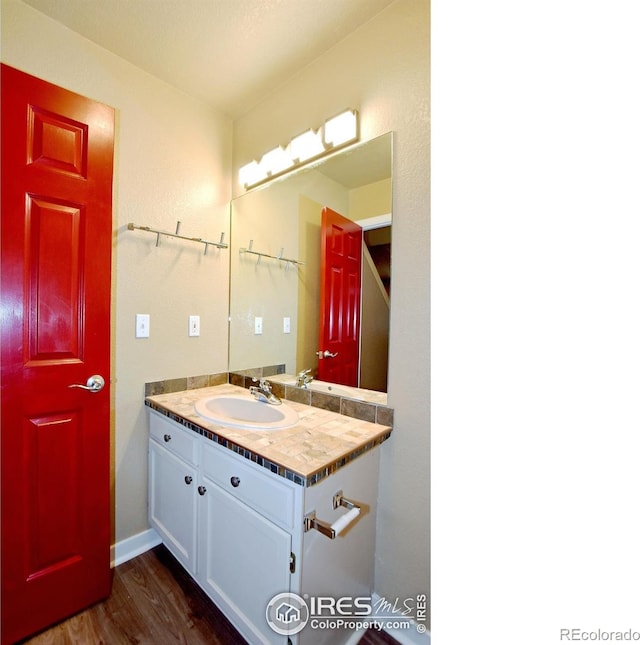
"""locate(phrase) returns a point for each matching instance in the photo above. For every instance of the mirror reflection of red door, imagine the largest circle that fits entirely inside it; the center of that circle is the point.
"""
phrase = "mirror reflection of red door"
(340, 290)
(57, 170)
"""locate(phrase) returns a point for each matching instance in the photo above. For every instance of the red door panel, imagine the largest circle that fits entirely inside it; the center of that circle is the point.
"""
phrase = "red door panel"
(54, 289)
(340, 292)
(57, 169)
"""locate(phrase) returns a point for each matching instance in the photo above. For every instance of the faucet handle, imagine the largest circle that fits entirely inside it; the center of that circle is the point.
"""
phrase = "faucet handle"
(304, 378)
(264, 384)
(263, 392)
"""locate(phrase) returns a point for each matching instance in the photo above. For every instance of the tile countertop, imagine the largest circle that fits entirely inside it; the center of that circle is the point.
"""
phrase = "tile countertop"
(313, 449)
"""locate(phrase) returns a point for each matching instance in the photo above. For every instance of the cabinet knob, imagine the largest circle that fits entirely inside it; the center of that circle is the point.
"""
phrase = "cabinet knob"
(188, 479)
(167, 438)
(235, 482)
(202, 490)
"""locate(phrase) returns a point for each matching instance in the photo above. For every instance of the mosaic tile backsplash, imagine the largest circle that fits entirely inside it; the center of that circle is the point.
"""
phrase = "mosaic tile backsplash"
(373, 408)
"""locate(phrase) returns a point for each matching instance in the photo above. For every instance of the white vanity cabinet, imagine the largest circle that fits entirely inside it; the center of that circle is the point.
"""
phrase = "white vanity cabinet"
(239, 529)
(245, 539)
(172, 489)
(244, 561)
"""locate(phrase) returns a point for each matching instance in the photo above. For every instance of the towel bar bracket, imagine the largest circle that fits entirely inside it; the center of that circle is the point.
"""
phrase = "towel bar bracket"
(312, 522)
(333, 530)
(340, 500)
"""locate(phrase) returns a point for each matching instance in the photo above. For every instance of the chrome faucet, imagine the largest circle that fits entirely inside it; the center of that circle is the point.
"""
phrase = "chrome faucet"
(304, 378)
(262, 392)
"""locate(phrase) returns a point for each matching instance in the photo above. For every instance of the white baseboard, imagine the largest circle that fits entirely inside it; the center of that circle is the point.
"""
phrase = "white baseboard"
(408, 636)
(133, 546)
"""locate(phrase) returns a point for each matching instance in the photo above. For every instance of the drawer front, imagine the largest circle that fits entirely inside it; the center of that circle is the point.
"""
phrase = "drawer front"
(261, 491)
(177, 440)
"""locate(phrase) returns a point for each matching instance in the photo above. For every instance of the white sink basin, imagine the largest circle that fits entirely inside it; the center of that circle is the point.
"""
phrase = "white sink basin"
(338, 390)
(239, 411)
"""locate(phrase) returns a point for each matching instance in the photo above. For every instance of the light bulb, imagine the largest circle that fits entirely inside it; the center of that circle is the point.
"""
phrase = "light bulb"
(306, 146)
(341, 128)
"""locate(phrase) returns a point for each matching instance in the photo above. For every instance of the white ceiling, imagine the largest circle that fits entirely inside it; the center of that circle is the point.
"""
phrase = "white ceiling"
(231, 53)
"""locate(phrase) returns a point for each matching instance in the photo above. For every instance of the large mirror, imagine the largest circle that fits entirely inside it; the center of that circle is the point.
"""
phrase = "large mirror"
(276, 260)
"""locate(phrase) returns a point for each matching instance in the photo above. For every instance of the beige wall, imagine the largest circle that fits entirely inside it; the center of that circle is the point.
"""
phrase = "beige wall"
(309, 285)
(374, 321)
(172, 163)
(371, 200)
(382, 69)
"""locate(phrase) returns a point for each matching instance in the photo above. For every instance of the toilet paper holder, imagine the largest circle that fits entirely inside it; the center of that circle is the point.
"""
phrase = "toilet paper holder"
(333, 530)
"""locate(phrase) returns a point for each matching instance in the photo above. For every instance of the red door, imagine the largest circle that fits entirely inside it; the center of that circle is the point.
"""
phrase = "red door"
(57, 170)
(340, 288)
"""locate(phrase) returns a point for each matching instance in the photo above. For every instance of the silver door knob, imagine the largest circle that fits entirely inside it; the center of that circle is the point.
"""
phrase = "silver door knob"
(326, 354)
(94, 384)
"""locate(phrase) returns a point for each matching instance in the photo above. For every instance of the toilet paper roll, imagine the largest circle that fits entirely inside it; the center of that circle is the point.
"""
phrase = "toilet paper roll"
(342, 522)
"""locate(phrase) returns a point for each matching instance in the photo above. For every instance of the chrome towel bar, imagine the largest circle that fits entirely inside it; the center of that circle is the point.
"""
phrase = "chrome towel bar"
(221, 244)
(279, 257)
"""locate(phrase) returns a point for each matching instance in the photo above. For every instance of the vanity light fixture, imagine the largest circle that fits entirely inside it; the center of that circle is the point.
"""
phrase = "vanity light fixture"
(307, 145)
(336, 132)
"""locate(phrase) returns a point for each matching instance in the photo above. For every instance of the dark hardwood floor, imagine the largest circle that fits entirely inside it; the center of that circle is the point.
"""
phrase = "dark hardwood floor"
(154, 601)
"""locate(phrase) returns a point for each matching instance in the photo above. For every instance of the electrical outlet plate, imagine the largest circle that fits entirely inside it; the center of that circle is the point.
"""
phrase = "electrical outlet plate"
(194, 325)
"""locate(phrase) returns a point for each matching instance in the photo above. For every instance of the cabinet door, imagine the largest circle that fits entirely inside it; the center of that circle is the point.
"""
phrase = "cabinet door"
(243, 561)
(172, 503)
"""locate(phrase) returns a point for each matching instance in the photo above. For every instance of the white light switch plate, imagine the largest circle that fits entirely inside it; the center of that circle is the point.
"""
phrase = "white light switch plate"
(142, 325)
(258, 325)
(194, 325)
(286, 325)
